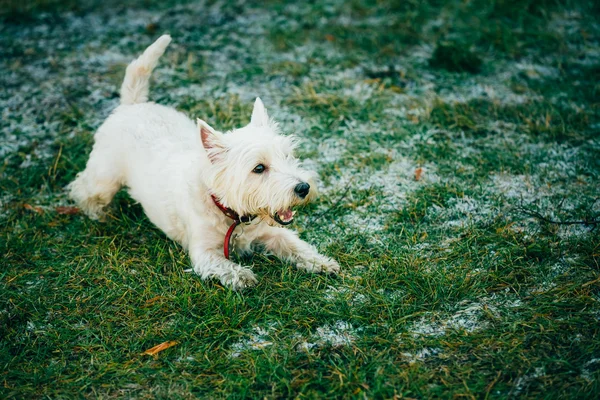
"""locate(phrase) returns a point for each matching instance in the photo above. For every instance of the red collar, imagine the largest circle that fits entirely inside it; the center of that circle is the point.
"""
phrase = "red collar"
(236, 221)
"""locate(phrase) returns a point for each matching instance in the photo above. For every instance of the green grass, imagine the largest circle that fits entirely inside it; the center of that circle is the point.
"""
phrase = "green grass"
(455, 57)
(432, 125)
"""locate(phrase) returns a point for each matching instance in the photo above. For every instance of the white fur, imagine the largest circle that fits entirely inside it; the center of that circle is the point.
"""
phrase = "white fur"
(171, 167)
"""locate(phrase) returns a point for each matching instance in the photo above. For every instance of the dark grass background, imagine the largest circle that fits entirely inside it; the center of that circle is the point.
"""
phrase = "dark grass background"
(453, 140)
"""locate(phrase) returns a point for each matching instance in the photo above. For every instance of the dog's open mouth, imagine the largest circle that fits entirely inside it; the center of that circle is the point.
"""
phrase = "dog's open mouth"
(284, 217)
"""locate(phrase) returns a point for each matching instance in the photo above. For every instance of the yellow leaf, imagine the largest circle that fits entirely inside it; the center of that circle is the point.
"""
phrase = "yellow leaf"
(157, 349)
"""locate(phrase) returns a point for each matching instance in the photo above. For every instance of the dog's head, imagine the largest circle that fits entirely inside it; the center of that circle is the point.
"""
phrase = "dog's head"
(254, 171)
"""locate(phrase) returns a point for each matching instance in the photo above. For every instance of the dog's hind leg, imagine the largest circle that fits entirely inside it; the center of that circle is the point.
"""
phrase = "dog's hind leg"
(95, 187)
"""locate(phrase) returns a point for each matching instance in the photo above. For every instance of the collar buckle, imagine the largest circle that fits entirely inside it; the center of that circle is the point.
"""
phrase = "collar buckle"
(237, 220)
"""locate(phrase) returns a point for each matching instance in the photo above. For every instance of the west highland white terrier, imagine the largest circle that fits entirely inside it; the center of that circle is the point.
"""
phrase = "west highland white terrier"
(198, 184)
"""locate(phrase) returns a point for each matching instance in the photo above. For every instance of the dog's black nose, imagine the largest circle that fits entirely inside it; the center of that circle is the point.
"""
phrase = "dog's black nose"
(302, 189)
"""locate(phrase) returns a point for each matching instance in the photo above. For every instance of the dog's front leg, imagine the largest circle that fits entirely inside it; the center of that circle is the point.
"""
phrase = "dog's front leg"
(212, 264)
(286, 245)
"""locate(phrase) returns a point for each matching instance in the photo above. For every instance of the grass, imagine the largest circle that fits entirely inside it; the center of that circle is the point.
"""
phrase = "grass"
(455, 57)
(432, 124)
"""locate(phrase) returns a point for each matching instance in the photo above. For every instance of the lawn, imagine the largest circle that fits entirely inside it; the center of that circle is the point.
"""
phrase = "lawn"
(458, 149)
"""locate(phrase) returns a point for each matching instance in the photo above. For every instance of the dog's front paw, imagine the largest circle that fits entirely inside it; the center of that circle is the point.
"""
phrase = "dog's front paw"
(239, 279)
(320, 264)
(330, 266)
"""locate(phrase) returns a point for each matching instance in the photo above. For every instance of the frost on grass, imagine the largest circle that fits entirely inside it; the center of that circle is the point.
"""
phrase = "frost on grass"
(346, 294)
(328, 151)
(464, 211)
(390, 185)
(471, 317)
(421, 354)
(590, 368)
(561, 186)
(522, 382)
(258, 339)
(537, 71)
(337, 335)
(497, 93)
(340, 334)
(35, 329)
(393, 295)
(534, 193)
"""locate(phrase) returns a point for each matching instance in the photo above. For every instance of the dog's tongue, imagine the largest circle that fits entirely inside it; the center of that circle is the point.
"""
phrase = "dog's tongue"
(285, 215)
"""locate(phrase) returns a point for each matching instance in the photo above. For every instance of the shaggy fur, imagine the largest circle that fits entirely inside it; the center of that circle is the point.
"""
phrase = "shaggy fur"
(172, 166)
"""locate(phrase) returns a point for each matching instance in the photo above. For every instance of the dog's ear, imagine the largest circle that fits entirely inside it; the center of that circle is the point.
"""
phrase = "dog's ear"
(259, 114)
(211, 140)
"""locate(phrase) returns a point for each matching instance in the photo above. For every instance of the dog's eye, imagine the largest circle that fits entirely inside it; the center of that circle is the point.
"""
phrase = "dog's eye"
(259, 169)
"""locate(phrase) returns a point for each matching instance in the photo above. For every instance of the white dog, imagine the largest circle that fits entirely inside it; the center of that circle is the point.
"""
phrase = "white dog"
(198, 184)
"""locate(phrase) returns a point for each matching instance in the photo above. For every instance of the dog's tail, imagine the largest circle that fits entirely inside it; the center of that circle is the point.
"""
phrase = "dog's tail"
(135, 85)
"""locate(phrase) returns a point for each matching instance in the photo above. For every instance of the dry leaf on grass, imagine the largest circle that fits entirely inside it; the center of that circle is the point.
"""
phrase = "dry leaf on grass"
(418, 173)
(157, 349)
(32, 208)
(67, 210)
